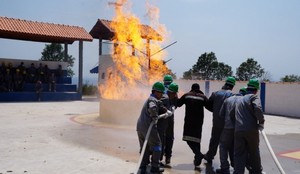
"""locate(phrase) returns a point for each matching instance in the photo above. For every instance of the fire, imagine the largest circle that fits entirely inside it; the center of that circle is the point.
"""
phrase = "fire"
(134, 43)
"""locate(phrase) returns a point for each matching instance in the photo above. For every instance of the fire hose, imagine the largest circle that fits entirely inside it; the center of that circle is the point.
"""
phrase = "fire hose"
(165, 115)
(272, 152)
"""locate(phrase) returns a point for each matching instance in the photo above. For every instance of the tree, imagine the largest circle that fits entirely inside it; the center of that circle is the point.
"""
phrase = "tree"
(205, 66)
(290, 78)
(249, 69)
(266, 76)
(187, 74)
(222, 71)
(55, 52)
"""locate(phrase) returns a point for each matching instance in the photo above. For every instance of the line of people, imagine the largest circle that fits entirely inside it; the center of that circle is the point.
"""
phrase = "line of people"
(236, 121)
(14, 78)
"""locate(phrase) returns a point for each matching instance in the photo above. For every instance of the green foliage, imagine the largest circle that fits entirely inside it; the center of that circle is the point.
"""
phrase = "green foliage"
(248, 70)
(208, 68)
(290, 78)
(88, 89)
(55, 52)
(187, 74)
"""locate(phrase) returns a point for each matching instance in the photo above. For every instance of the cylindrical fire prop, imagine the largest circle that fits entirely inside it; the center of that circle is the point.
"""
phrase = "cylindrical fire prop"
(120, 112)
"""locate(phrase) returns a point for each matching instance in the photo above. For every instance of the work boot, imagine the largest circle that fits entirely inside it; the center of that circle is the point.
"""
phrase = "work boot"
(197, 161)
(209, 160)
(161, 164)
(156, 170)
(223, 171)
(168, 161)
(143, 170)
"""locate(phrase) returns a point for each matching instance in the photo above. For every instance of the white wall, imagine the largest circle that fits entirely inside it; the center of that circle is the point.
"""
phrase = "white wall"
(283, 99)
(280, 98)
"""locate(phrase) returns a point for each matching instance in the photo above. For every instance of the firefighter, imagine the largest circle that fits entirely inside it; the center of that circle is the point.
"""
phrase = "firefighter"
(227, 136)
(148, 114)
(214, 104)
(162, 123)
(194, 102)
(169, 139)
(249, 118)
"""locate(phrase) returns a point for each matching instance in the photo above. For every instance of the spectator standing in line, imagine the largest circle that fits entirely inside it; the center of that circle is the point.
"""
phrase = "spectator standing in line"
(2, 82)
(194, 102)
(18, 80)
(227, 137)
(31, 73)
(41, 73)
(59, 74)
(22, 69)
(214, 104)
(249, 119)
(3, 68)
(8, 79)
(52, 83)
(47, 73)
(38, 89)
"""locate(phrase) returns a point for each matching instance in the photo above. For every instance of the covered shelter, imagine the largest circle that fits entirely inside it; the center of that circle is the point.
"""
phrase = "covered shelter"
(102, 30)
(19, 29)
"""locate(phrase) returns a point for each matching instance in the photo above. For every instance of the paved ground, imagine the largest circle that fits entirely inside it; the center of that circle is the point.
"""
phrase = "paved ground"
(68, 138)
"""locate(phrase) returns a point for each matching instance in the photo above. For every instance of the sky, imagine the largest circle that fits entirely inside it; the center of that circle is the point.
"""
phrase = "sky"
(266, 30)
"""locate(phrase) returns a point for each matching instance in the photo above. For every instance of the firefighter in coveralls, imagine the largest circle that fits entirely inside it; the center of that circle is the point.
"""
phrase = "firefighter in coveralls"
(148, 114)
(249, 119)
(227, 137)
(194, 102)
(169, 100)
(172, 94)
(214, 105)
(162, 124)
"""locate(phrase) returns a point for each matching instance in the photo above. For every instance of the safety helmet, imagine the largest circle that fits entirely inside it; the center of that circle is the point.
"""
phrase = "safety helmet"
(243, 90)
(253, 83)
(168, 78)
(173, 87)
(230, 81)
(158, 86)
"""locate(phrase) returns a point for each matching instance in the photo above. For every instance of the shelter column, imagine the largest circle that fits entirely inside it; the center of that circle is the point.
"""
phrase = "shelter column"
(80, 66)
(66, 52)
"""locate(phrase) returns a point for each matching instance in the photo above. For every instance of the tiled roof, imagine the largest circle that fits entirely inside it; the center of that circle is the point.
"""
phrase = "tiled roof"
(12, 28)
(102, 29)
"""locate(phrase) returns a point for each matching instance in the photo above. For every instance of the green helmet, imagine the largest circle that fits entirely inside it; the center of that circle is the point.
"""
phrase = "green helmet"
(158, 86)
(253, 83)
(230, 81)
(243, 90)
(173, 87)
(168, 78)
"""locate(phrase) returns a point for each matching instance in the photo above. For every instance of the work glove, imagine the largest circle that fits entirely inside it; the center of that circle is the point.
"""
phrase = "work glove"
(155, 119)
(260, 127)
(168, 113)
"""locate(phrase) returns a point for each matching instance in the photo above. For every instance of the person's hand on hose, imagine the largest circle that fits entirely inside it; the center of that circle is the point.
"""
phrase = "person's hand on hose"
(260, 126)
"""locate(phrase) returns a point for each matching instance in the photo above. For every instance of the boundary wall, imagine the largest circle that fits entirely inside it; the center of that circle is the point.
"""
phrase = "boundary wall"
(276, 98)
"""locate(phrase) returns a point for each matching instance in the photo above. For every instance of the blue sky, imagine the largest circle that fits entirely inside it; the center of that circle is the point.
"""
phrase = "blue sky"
(266, 30)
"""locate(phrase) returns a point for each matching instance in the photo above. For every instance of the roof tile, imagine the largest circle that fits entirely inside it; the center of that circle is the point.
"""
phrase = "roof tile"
(39, 31)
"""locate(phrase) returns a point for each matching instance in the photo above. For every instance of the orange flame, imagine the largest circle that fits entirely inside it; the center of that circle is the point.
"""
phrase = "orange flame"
(132, 72)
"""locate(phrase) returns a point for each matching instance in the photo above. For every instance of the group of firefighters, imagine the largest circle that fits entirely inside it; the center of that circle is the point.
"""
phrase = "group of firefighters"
(237, 119)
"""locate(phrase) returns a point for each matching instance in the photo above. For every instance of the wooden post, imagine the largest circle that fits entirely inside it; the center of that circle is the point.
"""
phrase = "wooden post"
(148, 53)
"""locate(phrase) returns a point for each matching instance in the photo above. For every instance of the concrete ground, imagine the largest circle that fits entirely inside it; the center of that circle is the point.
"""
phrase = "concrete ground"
(68, 138)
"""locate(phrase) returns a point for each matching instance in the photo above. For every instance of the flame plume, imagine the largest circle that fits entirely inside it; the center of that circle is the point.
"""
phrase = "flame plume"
(134, 44)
